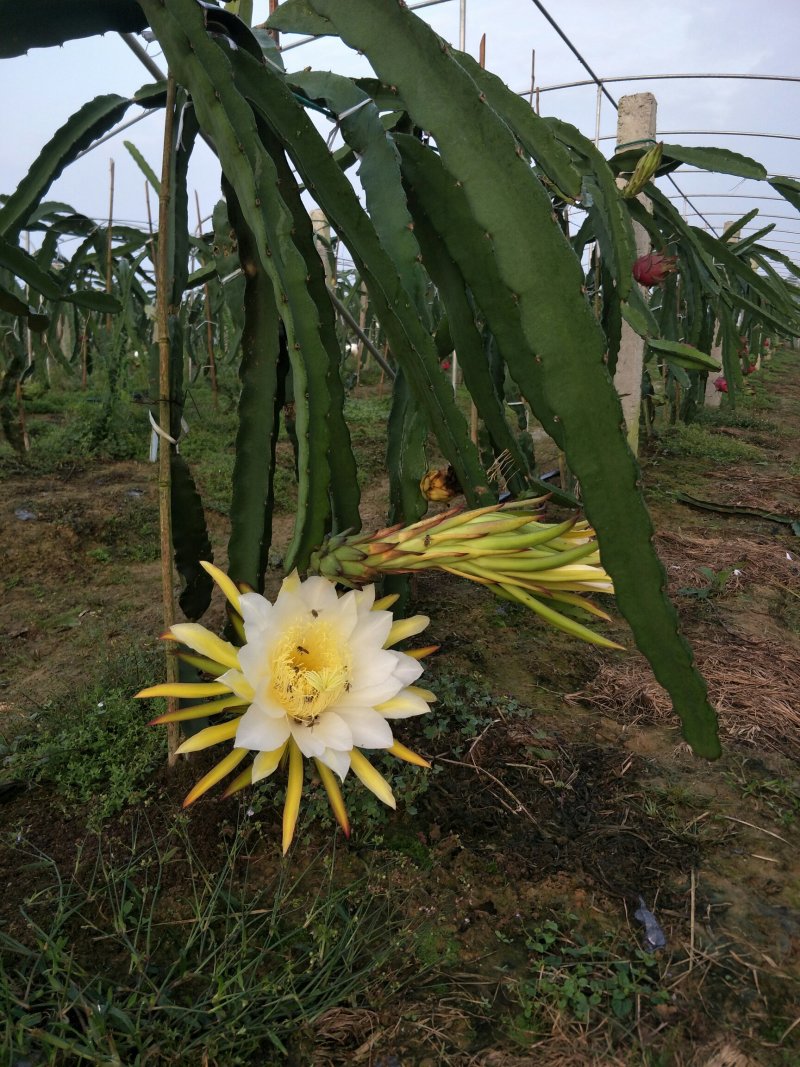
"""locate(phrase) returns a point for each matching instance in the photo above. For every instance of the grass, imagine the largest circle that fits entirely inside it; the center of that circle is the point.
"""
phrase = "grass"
(93, 747)
(213, 968)
(770, 794)
(201, 962)
(738, 418)
(697, 442)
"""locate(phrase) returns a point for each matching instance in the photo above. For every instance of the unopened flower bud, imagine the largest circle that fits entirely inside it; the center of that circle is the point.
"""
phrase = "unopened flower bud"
(440, 485)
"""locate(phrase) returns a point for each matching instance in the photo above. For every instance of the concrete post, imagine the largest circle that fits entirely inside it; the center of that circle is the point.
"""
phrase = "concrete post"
(636, 125)
(322, 239)
(713, 397)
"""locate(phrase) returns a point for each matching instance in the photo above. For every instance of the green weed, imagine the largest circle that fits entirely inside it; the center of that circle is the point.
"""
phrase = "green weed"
(716, 581)
(99, 555)
(694, 440)
(774, 795)
(93, 746)
(584, 979)
(738, 418)
(464, 708)
(201, 965)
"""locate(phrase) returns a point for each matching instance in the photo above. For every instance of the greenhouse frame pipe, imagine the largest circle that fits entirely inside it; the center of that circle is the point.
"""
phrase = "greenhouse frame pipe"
(659, 77)
(787, 218)
(716, 133)
(698, 170)
(344, 314)
(722, 196)
(595, 80)
(602, 89)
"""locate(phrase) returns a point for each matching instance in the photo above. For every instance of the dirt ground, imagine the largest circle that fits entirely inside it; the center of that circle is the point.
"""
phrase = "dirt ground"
(572, 800)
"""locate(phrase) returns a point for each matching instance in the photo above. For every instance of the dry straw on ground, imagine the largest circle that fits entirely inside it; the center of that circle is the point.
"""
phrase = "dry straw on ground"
(753, 684)
(762, 560)
(754, 680)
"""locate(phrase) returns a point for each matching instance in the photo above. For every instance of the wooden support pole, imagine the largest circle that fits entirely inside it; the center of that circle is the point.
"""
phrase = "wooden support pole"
(164, 448)
(636, 126)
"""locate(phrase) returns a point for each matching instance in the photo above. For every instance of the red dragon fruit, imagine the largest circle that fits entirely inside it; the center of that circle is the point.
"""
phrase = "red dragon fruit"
(652, 269)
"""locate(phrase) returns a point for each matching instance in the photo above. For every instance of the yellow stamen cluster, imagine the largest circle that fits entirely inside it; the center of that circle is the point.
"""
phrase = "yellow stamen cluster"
(309, 671)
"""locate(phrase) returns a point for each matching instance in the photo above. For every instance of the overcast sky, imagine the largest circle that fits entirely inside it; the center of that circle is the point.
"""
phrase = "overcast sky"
(616, 37)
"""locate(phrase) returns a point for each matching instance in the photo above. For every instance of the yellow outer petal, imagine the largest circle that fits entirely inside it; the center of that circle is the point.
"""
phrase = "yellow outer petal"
(212, 735)
(241, 781)
(199, 711)
(216, 774)
(408, 755)
(386, 602)
(203, 663)
(201, 640)
(224, 582)
(294, 789)
(403, 706)
(423, 694)
(185, 690)
(235, 619)
(328, 779)
(372, 779)
(403, 628)
(421, 653)
(265, 763)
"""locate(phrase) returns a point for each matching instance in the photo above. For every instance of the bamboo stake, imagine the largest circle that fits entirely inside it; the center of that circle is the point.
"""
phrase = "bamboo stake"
(212, 364)
(108, 236)
(164, 476)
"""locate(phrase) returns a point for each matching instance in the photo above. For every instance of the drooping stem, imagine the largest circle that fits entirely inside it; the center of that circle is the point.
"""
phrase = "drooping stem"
(164, 446)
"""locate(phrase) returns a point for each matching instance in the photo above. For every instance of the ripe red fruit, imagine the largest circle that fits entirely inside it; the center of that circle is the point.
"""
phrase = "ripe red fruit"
(653, 268)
